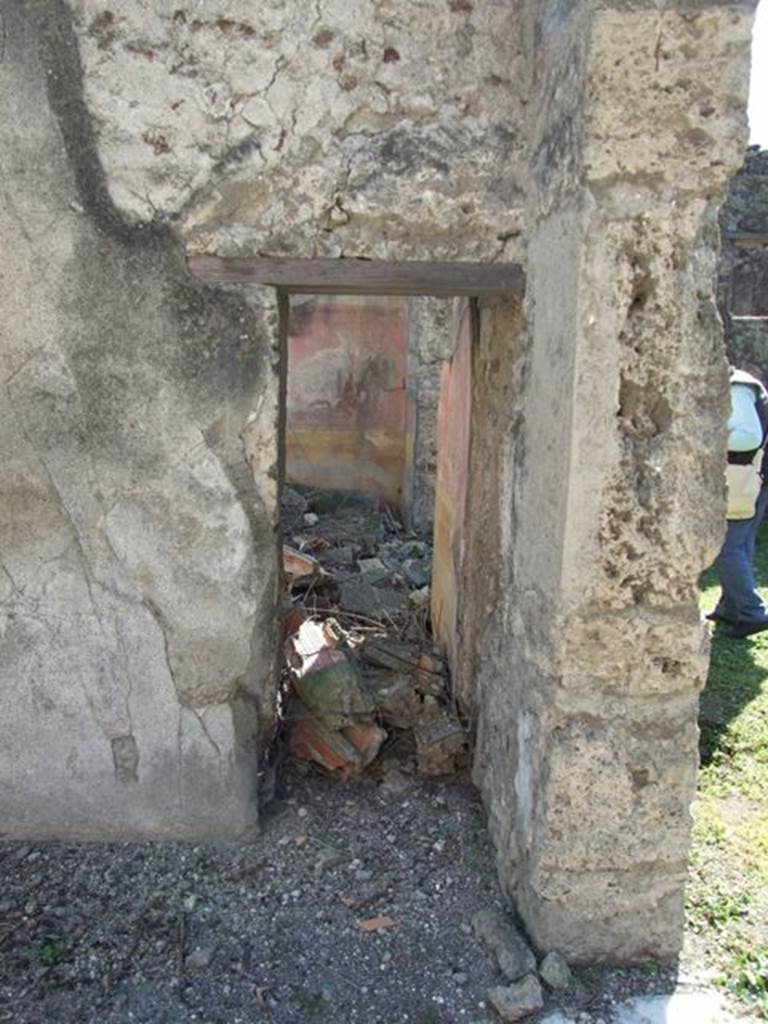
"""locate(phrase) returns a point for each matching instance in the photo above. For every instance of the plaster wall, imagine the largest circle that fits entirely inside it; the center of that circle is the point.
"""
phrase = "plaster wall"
(382, 129)
(139, 573)
(142, 428)
(346, 406)
(454, 419)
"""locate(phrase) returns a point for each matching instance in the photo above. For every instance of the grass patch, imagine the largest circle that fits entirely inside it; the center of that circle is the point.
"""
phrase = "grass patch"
(727, 901)
(51, 951)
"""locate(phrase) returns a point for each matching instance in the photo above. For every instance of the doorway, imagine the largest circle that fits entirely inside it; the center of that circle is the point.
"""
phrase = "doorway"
(375, 456)
(320, 638)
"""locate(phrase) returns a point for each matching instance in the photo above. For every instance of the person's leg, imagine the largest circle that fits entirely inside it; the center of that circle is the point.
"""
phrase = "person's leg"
(740, 601)
(760, 508)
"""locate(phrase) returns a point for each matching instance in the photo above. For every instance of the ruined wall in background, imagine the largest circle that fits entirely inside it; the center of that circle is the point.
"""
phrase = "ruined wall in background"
(742, 291)
(362, 394)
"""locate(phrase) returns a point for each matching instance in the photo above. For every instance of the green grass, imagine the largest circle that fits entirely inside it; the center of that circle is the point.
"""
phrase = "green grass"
(52, 950)
(727, 899)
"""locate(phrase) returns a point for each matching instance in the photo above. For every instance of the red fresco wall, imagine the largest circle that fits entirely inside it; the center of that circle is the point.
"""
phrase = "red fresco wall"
(453, 426)
(346, 397)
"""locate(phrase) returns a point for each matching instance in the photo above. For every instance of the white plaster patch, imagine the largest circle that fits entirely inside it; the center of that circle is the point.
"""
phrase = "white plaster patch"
(678, 1008)
(523, 775)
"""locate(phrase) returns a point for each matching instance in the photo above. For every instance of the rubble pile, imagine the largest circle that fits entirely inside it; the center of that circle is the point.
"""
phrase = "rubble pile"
(362, 677)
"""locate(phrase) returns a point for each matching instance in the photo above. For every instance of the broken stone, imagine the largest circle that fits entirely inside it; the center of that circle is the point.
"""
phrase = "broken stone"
(199, 958)
(514, 1002)
(419, 598)
(415, 573)
(367, 739)
(341, 556)
(361, 597)
(440, 746)
(369, 565)
(555, 971)
(292, 504)
(310, 740)
(311, 519)
(389, 652)
(414, 549)
(396, 699)
(512, 952)
(328, 858)
(334, 692)
(429, 675)
(395, 783)
(298, 566)
(431, 710)
(311, 640)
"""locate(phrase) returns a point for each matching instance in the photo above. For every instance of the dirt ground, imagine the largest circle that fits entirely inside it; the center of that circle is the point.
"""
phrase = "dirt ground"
(274, 931)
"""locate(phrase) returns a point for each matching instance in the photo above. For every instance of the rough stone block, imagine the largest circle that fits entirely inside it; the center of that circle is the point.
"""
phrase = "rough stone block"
(513, 954)
(518, 1001)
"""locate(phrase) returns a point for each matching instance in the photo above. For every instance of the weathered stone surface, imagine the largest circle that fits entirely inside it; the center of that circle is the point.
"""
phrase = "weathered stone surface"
(512, 952)
(604, 653)
(358, 595)
(137, 546)
(395, 697)
(440, 742)
(518, 1001)
(430, 344)
(140, 430)
(345, 130)
(335, 693)
(554, 971)
(742, 292)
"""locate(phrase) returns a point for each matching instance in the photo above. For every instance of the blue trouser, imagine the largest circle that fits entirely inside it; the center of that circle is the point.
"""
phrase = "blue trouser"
(740, 600)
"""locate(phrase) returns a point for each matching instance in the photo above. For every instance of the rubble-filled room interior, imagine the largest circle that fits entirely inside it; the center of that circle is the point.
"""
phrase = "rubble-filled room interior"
(375, 451)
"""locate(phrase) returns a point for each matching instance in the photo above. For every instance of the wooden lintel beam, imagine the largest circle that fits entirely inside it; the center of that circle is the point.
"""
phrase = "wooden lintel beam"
(363, 277)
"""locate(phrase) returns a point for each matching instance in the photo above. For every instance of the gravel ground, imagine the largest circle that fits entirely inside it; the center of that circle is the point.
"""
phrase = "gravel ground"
(271, 931)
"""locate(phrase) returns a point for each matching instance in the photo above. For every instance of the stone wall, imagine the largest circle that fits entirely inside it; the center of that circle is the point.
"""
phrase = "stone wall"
(139, 571)
(587, 704)
(378, 129)
(742, 290)
(590, 141)
(431, 340)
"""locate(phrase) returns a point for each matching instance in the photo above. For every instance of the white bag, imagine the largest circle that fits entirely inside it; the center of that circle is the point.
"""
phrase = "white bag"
(744, 483)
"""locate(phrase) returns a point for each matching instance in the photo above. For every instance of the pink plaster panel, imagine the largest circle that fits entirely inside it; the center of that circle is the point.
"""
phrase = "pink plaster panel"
(453, 425)
(346, 400)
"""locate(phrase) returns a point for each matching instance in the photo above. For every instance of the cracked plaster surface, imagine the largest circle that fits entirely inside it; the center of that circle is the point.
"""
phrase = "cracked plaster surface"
(381, 129)
(138, 558)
